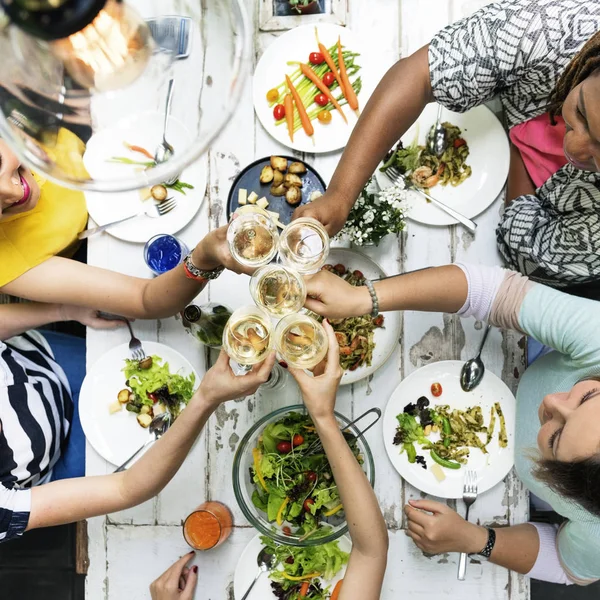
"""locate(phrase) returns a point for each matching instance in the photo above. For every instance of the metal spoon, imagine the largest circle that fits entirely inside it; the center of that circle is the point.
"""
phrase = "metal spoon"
(158, 428)
(266, 561)
(436, 138)
(164, 150)
(473, 370)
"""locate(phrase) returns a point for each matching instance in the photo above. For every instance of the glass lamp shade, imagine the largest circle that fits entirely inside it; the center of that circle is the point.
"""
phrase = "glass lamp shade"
(107, 84)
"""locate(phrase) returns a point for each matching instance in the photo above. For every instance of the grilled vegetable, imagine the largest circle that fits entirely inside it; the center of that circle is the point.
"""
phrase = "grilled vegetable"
(266, 175)
(279, 163)
(144, 420)
(292, 180)
(158, 192)
(146, 363)
(277, 177)
(293, 196)
(123, 396)
(297, 168)
(278, 190)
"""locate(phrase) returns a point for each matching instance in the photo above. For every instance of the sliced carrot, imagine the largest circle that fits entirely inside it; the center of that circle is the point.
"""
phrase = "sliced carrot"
(310, 74)
(304, 589)
(336, 590)
(347, 88)
(329, 61)
(139, 149)
(289, 114)
(304, 119)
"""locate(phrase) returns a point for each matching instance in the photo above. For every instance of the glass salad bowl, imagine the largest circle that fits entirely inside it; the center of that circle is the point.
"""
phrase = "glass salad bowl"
(291, 520)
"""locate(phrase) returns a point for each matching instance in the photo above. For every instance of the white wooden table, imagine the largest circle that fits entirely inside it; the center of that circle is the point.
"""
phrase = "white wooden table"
(130, 549)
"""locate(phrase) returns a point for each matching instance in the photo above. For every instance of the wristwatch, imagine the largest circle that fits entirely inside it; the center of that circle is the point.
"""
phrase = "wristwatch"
(487, 551)
(193, 272)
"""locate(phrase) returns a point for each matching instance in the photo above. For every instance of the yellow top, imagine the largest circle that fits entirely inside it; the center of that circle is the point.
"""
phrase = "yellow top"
(51, 228)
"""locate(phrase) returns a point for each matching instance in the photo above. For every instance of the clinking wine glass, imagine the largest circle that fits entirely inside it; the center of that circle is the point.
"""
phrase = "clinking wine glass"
(304, 245)
(253, 239)
(278, 289)
(301, 341)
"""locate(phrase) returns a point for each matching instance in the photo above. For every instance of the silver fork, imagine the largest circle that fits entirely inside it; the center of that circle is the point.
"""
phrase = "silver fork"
(469, 497)
(135, 346)
(394, 174)
(154, 210)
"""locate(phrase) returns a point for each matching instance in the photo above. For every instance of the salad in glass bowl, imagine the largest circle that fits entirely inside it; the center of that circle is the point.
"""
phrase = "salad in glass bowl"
(283, 482)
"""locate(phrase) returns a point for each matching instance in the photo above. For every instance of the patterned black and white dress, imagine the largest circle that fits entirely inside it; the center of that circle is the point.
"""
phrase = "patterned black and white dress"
(516, 50)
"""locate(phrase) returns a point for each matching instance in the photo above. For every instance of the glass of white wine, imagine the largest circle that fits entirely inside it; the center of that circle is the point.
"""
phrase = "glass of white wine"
(304, 245)
(278, 289)
(301, 341)
(253, 239)
(247, 338)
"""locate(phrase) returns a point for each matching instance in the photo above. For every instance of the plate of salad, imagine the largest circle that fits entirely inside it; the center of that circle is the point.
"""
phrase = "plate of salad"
(469, 176)
(283, 482)
(119, 397)
(313, 572)
(433, 430)
(112, 152)
(309, 87)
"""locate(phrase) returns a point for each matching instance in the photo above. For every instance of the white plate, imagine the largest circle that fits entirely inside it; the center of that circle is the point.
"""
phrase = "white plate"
(116, 437)
(491, 468)
(143, 130)
(386, 338)
(296, 45)
(245, 572)
(489, 157)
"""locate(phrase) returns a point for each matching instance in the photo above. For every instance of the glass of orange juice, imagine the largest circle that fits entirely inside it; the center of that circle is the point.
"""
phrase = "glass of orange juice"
(208, 526)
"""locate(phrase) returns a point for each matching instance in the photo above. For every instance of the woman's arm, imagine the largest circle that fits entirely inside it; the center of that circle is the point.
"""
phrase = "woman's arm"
(395, 105)
(64, 281)
(519, 182)
(368, 531)
(71, 500)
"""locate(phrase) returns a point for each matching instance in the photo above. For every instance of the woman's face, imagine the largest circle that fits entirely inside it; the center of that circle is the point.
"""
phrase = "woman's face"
(581, 112)
(19, 192)
(570, 423)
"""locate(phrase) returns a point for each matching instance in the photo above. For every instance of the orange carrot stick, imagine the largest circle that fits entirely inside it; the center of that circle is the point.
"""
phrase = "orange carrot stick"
(304, 118)
(139, 149)
(289, 114)
(329, 61)
(347, 88)
(336, 590)
(304, 589)
(310, 74)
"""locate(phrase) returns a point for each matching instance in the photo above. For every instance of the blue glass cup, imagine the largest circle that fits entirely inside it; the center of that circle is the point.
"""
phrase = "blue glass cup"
(164, 252)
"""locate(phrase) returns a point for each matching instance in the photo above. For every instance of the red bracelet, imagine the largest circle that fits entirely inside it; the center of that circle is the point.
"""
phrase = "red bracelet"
(190, 275)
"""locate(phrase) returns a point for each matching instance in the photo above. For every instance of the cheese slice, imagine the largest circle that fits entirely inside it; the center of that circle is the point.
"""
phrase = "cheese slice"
(253, 197)
(263, 202)
(242, 196)
(438, 472)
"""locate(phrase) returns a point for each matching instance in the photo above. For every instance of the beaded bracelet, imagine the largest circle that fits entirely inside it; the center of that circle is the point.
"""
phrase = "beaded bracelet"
(374, 298)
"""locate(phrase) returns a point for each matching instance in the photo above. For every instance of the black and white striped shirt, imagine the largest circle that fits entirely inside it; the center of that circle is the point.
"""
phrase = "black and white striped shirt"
(36, 410)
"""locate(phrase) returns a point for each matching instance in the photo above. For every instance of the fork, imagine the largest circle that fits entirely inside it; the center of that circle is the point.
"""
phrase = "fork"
(394, 175)
(154, 210)
(469, 496)
(135, 346)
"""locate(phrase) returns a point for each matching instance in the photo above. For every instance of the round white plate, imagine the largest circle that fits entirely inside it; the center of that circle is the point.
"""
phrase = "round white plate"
(143, 130)
(116, 437)
(491, 468)
(489, 157)
(386, 338)
(295, 45)
(246, 568)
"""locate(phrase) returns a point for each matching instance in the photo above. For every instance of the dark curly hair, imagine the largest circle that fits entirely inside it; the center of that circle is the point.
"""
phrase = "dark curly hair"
(585, 62)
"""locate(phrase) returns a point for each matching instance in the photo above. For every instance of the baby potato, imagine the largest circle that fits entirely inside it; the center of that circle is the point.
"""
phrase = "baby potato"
(278, 190)
(293, 196)
(267, 174)
(123, 396)
(291, 179)
(279, 163)
(277, 177)
(297, 168)
(158, 192)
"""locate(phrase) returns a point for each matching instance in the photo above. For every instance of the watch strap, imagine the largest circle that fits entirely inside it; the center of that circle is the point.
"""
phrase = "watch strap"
(487, 551)
(193, 272)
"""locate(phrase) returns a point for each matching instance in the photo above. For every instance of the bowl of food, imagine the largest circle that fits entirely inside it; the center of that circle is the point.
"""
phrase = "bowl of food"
(283, 482)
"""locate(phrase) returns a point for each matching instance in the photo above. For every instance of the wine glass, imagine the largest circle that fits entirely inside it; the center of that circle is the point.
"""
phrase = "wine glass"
(301, 341)
(304, 245)
(253, 239)
(278, 289)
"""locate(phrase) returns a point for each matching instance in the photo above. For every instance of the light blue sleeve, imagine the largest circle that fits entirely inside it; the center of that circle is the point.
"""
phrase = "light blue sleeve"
(579, 550)
(563, 322)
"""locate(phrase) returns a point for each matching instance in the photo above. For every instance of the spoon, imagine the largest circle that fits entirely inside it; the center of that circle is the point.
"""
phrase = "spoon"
(164, 150)
(472, 372)
(157, 428)
(436, 138)
(266, 561)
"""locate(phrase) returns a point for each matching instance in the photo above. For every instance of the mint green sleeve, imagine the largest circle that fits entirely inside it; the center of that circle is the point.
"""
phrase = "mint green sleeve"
(579, 551)
(563, 322)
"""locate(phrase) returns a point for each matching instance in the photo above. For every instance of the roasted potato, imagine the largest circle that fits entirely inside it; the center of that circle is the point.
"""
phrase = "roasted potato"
(291, 179)
(158, 192)
(144, 420)
(146, 410)
(123, 396)
(266, 175)
(278, 190)
(298, 168)
(146, 363)
(279, 163)
(293, 196)
(277, 177)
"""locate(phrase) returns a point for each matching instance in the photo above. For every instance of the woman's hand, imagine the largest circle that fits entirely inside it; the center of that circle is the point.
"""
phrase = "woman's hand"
(220, 384)
(444, 530)
(88, 317)
(213, 251)
(334, 298)
(319, 391)
(176, 583)
(330, 211)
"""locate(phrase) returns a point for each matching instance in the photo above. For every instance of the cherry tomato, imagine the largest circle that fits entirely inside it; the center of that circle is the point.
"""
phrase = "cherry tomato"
(378, 321)
(297, 440)
(316, 58)
(459, 142)
(273, 95)
(321, 99)
(328, 79)
(311, 476)
(286, 530)
(324, 116)
(279, 112)
(358, 274)
(290, 559)
(436, 389)
(152, 397)
(307, 504)
(284, 447)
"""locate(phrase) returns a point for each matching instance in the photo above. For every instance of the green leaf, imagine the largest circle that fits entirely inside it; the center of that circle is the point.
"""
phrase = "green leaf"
(274, 504)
